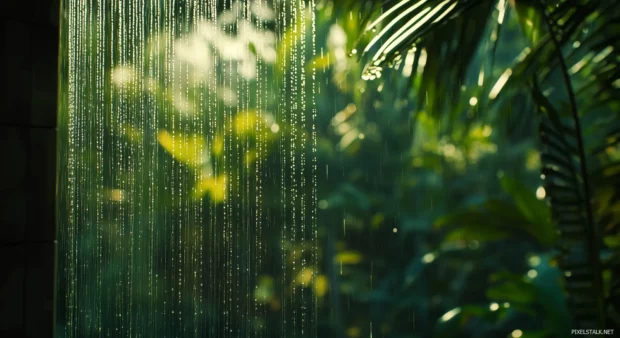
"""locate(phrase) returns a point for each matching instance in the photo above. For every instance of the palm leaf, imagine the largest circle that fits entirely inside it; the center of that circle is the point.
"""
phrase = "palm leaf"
(561, 160)
(565, 157)
(574, 43)
(425, 36)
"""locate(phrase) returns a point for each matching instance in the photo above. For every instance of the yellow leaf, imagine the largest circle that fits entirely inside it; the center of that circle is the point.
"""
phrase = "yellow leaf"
(353, 332)
(218, 146)
(304, 277)
(215, 186)
(348, 257)
(319, 62)
(183, 148)
(321, 285)
(480, 132)
(117, 195)
(377, 220)
(245, 122)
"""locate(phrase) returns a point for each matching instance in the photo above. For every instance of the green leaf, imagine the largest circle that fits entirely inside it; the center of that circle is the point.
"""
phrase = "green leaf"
(348, 196)
(476, 232)
(550, 296)
(252, 48)
(529, 19)
(514, 290)
(612, 241)
(494, 220)
(535, 211)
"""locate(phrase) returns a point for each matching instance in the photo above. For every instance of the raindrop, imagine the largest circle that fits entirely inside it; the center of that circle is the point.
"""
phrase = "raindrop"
(167, 129)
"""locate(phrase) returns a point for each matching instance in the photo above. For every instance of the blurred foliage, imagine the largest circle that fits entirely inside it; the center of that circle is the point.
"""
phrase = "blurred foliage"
(562, 83)
(435, 122)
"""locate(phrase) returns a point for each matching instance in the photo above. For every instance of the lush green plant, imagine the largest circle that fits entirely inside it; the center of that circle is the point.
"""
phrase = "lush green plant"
(564, 78)
(432, 219)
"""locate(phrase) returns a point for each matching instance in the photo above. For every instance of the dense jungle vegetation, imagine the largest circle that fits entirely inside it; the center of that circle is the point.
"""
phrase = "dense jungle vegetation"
(468, 156)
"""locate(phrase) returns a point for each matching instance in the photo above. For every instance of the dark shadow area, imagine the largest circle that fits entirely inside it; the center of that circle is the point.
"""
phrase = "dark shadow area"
(29, 63)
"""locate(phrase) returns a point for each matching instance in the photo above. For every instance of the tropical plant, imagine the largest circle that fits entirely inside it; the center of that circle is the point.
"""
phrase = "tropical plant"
(565, 79)
(431, 218)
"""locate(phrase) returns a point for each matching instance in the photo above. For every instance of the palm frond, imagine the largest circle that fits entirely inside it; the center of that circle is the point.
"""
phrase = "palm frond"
(572, 57)
(565, 155)
(562, 160)
(426, 36)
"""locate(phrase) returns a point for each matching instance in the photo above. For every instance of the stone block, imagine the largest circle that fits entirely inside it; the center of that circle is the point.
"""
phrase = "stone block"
(41, 183)
(43, 105)
(33, 11)
(12, 290)
(46, 12)
(27, 184)
(14, 148)
(40, 290)
(16, 63)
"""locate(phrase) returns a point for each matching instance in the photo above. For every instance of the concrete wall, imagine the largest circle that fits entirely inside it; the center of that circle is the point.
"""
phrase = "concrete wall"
(28, 95)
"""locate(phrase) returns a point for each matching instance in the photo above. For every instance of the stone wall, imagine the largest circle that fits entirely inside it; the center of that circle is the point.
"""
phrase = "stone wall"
(28, 95)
